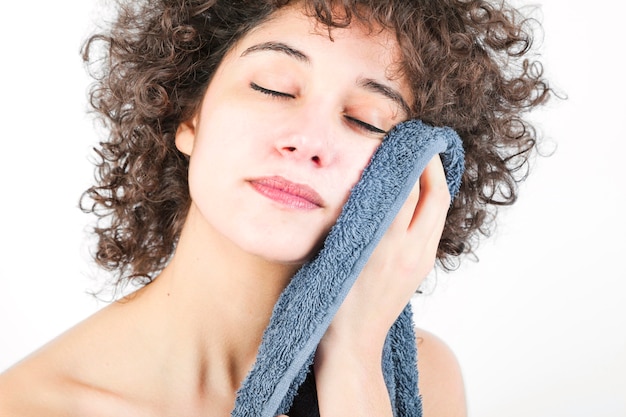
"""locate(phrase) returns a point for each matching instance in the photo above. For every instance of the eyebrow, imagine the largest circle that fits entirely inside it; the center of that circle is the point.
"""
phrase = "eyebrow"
(366, 83)
(278, 47)
(376, 87)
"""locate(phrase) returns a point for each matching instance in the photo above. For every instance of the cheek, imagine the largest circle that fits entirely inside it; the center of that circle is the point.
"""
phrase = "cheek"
(356, 158)
(361, 156)
(227, 148)
(226, 133)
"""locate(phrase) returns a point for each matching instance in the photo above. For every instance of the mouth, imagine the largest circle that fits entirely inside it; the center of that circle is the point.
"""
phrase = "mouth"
(287, 193)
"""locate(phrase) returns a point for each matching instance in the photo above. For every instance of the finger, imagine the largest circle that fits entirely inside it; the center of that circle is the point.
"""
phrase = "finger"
(422, 222)
(434, 200)
(429, 254)
(430, 216)
(403, 218)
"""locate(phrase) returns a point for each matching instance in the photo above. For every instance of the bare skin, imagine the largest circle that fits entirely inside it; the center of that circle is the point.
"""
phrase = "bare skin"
(56, 381)
(182, 345)
(167, 367)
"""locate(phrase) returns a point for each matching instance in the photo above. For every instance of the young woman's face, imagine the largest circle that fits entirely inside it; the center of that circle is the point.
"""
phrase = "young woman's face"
(288, 123)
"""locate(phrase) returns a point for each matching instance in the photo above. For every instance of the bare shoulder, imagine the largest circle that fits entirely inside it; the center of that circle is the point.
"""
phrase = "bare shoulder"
(58, 379)
(440, 379)
(26, 389)
(40, 386)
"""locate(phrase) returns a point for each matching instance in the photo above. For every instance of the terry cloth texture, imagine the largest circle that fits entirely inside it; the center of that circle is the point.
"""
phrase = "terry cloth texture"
(308, 304)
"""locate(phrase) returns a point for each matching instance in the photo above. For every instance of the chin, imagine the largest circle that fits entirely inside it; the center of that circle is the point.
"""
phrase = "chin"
(289, 257)
(291, 253)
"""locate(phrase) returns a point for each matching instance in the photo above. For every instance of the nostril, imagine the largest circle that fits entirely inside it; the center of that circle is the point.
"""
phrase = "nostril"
(291, 148)
(316, 159)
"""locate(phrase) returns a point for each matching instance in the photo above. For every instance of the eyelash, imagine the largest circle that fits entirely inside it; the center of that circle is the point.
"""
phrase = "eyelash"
(272, 93)
(365, 126)
(358, 123)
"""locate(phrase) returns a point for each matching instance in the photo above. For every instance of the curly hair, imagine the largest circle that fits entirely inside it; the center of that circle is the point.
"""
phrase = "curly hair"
(467, 62)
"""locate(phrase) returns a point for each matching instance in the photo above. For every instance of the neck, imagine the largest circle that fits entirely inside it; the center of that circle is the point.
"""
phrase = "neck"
(212, 303)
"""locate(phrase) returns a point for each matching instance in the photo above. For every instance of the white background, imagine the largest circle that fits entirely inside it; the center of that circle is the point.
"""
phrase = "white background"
(538, 324)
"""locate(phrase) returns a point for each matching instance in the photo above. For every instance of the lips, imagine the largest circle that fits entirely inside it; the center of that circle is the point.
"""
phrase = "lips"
(287, 193)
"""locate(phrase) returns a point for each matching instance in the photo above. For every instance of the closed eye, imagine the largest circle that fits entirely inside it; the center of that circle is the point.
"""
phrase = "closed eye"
(365, 126)
(269, 92)
(368, 128)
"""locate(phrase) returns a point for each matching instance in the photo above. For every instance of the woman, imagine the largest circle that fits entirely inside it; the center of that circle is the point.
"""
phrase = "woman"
(237, 130)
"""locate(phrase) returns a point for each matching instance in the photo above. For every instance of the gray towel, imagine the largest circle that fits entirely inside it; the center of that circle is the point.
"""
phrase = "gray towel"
(308, 304)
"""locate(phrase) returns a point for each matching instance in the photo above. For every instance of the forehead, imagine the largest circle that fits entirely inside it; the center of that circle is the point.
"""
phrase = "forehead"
(358, 56)
(371, 42)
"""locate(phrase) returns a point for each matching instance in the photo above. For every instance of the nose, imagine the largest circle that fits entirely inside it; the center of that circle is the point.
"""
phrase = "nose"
(307, 138)
(302, 150)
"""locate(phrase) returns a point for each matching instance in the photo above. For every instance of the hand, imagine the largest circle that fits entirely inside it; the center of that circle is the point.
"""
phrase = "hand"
(348, 358)
(403, 258)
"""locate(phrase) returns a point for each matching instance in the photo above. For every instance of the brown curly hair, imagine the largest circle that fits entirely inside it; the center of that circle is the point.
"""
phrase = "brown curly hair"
(466, 60)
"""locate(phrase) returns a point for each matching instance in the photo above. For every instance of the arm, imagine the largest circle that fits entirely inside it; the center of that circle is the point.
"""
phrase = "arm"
(348, 360)
(363, 392)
